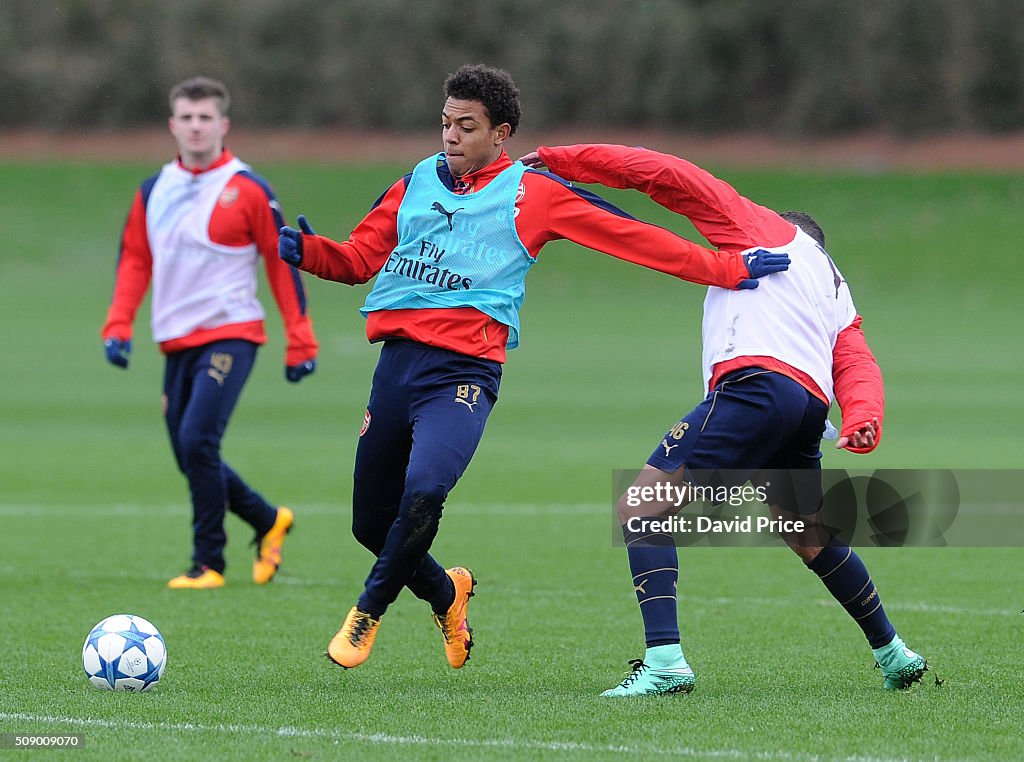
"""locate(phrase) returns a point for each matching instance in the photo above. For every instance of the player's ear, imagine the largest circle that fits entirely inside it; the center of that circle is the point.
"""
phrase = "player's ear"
(501, 133)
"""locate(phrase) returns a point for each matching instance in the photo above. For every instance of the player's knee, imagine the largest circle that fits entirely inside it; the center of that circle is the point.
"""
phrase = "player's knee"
(630, 506)
(425, 507)
(626, 512)
(422, 513)
(426, 490)
(807, 553)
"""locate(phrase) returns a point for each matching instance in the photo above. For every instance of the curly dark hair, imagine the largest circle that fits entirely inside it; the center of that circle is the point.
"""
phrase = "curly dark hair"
(806, 223)
(493, 88)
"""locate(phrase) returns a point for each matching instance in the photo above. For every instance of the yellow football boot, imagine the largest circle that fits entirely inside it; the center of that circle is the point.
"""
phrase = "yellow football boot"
(268, 554)
(454, 626)
(351, 646)
(197, 578)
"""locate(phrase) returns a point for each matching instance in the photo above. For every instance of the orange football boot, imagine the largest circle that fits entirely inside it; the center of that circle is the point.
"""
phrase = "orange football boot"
(454, 626)
(197, 578)
(268, 554)
(351, 646)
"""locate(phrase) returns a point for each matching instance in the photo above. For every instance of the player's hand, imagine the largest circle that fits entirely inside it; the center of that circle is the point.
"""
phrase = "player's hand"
(295, 373)
(760, 263)
(117, 351)
(862, 439)
(289, 242)
(532, 160)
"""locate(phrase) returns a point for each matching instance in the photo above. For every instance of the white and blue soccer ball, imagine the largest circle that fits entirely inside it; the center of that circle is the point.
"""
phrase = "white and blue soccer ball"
(124, 652)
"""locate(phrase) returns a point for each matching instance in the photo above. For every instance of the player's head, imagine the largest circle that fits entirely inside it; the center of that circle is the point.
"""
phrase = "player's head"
(198, 88)
(481, 111)
(199, 120)
(806, 223)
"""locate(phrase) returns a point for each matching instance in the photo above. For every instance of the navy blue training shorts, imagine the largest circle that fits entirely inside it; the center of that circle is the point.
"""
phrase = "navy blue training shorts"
(753, 420)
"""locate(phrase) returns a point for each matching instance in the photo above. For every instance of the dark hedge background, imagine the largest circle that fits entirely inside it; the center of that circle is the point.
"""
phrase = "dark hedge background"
(784, 67)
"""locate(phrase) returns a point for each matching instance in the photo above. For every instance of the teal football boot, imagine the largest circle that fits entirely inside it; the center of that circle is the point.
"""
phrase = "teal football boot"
(645, 680)
(901, 667)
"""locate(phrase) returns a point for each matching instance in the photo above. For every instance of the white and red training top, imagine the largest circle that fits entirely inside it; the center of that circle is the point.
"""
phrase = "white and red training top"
(197, 235)
(801, 323)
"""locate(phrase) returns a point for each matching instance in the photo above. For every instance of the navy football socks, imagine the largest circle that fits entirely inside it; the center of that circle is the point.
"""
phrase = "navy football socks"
(655, 568)
(846, 577)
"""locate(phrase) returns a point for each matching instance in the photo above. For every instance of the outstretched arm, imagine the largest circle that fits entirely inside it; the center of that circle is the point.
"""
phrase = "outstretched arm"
(353, 261)
(724, 217)
(555, 209)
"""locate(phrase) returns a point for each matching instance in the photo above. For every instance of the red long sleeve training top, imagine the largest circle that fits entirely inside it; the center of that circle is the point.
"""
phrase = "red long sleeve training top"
(547, 209)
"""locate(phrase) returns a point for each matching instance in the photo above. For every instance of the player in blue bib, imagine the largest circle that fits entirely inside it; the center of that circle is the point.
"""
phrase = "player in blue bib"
(450, 245)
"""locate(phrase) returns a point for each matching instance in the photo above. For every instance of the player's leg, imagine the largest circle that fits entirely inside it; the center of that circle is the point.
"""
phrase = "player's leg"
(382, 456)
(381, 462)
(653, 559)
(839, 567)
(653, 564)
(246, 503)
(846, 577)
(216, 375)
(454, 396)
(177, 388)
(382, 459)
(652, 555)
(445, 435)
(270, 524)
(734, 427)
(421, 454)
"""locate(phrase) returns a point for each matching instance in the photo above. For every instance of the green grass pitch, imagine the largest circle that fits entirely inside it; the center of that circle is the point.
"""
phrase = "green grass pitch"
(94, 517)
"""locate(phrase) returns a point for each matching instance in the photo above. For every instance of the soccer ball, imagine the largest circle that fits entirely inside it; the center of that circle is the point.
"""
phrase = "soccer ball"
(124, 653)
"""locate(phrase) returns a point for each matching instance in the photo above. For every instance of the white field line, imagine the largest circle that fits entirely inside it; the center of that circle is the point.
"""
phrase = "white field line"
(454, 506)
(509, 744)
(318, 509)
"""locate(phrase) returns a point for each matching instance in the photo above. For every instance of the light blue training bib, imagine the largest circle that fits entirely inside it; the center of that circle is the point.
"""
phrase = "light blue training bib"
(456, 250)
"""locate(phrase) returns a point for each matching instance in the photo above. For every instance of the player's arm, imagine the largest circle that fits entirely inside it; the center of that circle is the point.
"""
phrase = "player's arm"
(559, 210)
(723, 216)
(132, 277)
(859, 390)
(364, 253)
(265, 220)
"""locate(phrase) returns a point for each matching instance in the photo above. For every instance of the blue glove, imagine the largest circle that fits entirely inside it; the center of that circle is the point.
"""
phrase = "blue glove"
(289, 243)
(761, 263)
(295, 373)
(118, 351)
